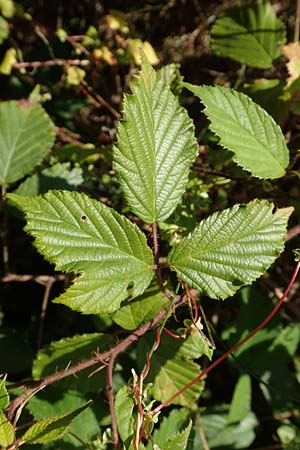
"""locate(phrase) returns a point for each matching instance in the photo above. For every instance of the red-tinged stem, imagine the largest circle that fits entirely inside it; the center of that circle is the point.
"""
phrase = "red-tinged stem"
(110, 368)
(235, 347)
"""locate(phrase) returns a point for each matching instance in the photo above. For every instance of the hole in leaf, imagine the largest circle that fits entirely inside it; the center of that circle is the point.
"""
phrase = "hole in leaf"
(83, 218)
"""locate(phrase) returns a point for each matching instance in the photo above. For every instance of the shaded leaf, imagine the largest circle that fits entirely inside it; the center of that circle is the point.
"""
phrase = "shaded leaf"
(231, 248)
(246, 129)
(82, 235)
(123, 411)
(68, 352)
(51, 428)
(156, 146)
(179, 441)
(54, 401)
(171, 370)
(7, 433)
(249, 34)
(141, 309)
(241, 401)
(220, 434)
(26, 135)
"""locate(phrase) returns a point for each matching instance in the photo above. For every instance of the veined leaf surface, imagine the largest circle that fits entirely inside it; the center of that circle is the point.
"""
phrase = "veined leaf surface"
(26, 135)
(156, 146)
(249, 34)
(246, 129)
(231, 248)
(79, 234)
(51, 428)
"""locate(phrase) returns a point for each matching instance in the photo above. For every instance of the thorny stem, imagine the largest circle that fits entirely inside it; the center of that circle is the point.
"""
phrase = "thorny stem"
(235, 347)
(110, 368)
(31, 387)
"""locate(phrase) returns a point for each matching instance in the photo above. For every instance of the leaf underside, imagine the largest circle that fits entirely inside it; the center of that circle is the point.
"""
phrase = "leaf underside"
(26, 135)
(156, 146)
(231, 248)
(249, 34)
(246, 129)
(79, 234)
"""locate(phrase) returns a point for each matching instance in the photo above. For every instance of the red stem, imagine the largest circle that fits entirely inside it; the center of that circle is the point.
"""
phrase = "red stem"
(235, 347)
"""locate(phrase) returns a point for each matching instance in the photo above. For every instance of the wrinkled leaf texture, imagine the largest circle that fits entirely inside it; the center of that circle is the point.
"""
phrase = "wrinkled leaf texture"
(246, 129)
(81, 235)
(231, 248)
(156, 146)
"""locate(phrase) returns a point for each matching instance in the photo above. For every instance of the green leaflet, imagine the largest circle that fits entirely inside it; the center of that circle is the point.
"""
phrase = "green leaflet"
(53, 401)
(4, 29)
(141, 309)
(7, 433)
(249, 34)
(241, 401)
(4, 396)
(179, 441)
(26, 135)
(231, 248)
(156, 146)
(67, 352)
(79, 234)
(51, 428)
(246, 129)
(172, 367)
(124, 405)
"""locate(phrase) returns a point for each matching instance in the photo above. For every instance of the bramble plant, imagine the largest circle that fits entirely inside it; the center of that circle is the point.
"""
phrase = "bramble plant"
(147, 266)
(114, 264)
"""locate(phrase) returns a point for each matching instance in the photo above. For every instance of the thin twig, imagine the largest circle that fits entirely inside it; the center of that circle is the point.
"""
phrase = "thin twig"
(41, 279)
(43, 311)
(156, 260)
(51, 62)
(234, 348)
(100, 100)
(32, 387)
(201, 433)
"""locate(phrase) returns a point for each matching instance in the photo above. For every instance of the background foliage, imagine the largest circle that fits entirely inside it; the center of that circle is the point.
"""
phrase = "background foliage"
(64, 69)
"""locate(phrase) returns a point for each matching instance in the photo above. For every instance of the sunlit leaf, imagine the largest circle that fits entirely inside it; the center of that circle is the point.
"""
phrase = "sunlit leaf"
(79, 234)
(231, 248)
(246, 129)
(7, 433)
(26, 135)
(123, 410)
(51, 428)
(156, 146)
(249, 34)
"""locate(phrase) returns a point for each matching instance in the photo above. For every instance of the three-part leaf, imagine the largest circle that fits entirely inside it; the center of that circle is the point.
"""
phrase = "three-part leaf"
(156, 146)
(26, 135)
(249, 34)
(79, 234)
(246, 129)
(231, 248)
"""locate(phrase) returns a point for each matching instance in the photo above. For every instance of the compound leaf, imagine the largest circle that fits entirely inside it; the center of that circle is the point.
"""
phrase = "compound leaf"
(249, 35)
(26, 135)
(231, 248)
(156, 146)
(246, 129)
(79, 234)
(51, 428)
